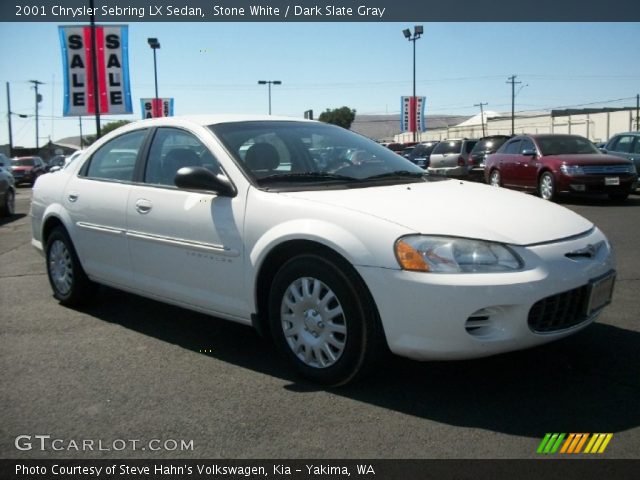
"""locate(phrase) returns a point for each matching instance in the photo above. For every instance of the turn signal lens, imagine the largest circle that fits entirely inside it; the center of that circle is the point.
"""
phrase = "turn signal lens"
(409, 258)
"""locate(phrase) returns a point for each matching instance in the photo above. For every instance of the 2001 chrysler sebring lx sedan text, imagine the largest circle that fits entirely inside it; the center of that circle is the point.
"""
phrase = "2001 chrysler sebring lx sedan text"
(264, 221)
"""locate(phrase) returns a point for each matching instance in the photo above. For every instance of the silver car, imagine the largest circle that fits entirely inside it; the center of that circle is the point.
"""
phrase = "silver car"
(451, 158)
(625, 145)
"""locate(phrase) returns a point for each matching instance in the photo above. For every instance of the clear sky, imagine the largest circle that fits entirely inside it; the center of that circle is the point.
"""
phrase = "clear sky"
(214, 68)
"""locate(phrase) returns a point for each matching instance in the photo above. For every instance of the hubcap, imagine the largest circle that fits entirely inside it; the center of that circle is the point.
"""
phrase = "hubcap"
(11, 202)
(313, 322)
(60, 267)
(495, 179)
(546, 187)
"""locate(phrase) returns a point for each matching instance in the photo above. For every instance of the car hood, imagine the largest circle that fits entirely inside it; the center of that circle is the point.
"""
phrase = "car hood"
(460, 209)
(579, 159)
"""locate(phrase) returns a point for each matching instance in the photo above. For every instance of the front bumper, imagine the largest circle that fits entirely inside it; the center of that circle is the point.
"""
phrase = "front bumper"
(436, 316)
(596, 183)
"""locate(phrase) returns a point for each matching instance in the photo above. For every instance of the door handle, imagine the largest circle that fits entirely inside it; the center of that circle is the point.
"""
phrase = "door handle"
(72, 197)
(143, 206)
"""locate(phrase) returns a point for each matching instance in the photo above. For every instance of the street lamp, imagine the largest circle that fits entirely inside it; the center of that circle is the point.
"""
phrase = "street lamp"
(417, 33)
(154, 44)
(269, 82)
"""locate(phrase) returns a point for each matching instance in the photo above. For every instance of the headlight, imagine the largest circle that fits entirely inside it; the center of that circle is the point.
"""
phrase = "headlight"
(571, 169)
(423, 253)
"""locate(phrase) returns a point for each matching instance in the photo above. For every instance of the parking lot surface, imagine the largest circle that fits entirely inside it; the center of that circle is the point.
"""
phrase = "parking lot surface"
(127, 368)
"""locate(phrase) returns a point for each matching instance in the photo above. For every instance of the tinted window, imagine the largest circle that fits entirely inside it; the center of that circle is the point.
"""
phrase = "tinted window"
(172, 149)
(448, 147)
(116, 159)
(512, 147)
(489, 145)
(526, 144)
(23, 162)
(623, 144)
(636, 146)
(469, 146)
(422, 150)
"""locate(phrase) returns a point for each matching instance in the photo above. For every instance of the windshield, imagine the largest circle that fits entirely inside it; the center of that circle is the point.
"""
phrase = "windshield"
(281, 152)
(565, 145)
(23, 162)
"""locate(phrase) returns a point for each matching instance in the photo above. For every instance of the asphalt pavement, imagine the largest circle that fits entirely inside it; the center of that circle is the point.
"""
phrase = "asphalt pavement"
(169, 383)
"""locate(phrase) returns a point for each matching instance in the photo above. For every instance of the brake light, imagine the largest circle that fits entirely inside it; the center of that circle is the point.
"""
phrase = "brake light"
(461, 161)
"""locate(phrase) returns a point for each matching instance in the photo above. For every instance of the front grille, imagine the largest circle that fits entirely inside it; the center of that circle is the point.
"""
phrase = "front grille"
(559, 311)
(605, 169)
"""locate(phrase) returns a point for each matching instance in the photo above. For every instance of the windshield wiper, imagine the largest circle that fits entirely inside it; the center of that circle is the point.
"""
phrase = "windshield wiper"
(398, 173)
(307, 177)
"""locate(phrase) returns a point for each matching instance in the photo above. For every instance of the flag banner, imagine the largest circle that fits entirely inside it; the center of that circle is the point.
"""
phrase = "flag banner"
(412, 114)
(156, 107)
(112, 67)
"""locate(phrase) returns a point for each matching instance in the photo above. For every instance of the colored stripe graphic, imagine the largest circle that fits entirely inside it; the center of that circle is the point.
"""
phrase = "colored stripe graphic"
(102, 71)
(574, 443)
(91, 108)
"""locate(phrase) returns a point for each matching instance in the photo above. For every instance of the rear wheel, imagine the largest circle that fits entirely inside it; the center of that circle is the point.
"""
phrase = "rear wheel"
(321, 321)
(9, 206)
(547, 186)
(68, 280)
(494, 179)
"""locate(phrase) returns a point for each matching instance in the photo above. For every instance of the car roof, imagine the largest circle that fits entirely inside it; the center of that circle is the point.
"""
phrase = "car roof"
(214, 119)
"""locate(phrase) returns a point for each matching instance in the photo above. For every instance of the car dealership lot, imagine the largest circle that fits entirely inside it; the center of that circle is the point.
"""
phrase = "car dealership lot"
(131, 368)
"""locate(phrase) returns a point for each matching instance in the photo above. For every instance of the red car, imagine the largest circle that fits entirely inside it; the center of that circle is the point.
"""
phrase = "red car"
(27, 169)
(550, 164)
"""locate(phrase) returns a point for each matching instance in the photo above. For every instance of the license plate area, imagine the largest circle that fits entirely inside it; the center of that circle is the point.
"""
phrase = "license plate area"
(600, 292)
(612, 180)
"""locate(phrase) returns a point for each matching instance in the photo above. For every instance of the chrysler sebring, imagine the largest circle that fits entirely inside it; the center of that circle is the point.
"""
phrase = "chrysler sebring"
(270, 222)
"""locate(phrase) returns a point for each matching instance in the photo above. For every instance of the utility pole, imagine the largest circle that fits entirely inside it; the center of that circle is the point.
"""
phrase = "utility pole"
(637, 112)
(38, 100)
(481, 114)
(512, 81)
(94, 68)
(81, 140)
(9, 121)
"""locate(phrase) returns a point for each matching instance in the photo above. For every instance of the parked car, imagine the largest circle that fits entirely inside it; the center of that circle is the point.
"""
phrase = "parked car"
(7, 193)
(332, 262)
(396, 147)
(551, 164)
(27, 169)
(421, 153)
(5, 161)
(477, 156)
(625, 145)
(451, 158)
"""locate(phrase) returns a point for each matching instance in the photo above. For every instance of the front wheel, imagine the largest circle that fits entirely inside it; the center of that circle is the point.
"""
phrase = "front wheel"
(547, 186)
(9, 206)
(321, 321)
(618, 197)
(68, 280)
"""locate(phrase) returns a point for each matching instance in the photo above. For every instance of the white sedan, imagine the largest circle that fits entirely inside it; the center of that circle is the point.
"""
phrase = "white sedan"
(266, 221)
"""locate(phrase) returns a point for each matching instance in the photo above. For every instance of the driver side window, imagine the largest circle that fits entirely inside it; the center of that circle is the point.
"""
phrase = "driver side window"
(173, 149)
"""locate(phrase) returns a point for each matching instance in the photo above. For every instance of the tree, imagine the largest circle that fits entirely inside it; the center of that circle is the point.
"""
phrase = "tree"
(343, 117)
(106, 128)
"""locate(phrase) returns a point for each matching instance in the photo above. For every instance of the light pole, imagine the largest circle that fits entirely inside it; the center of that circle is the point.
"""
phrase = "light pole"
(269, 82)
(417, 33)
(154, 44)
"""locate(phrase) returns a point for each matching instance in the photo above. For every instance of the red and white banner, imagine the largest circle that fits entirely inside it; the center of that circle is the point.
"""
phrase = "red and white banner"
(156, 107)
(412, 116)
(112, 67)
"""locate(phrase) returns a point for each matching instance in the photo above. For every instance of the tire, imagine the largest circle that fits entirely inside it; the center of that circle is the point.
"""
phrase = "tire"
(323, 320)
(8, 208)
(547, 186)
(618, 197)
(69, 282)
(494, 179)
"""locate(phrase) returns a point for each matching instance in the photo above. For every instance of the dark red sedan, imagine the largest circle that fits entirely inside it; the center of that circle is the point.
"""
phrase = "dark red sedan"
(550, 164)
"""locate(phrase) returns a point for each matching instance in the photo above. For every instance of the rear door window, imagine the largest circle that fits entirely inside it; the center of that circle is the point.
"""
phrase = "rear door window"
(116, 159)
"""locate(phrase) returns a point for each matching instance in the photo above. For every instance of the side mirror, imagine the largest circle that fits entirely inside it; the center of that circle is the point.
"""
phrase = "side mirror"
(529, 152)
(55, 169)
(200, 178)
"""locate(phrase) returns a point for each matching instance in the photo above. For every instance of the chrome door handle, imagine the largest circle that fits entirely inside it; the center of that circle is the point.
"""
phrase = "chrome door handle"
(73, 196)
(143, 206)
